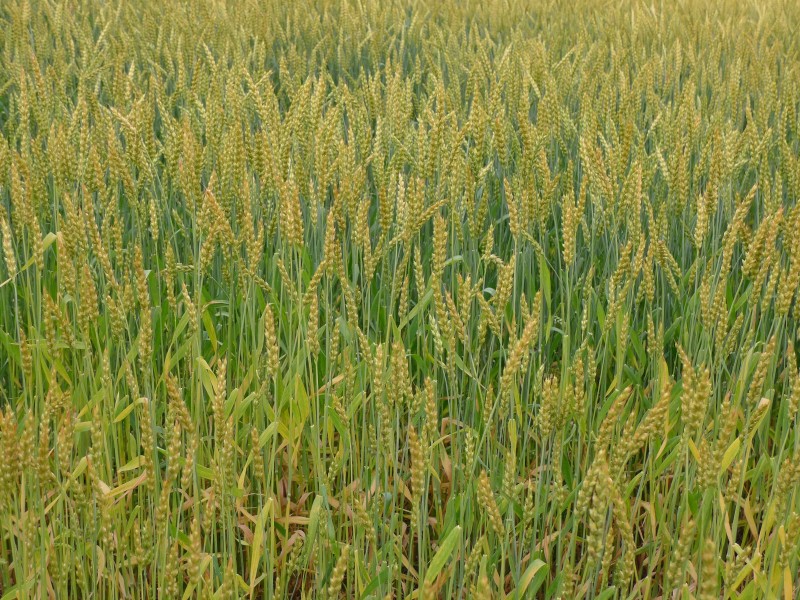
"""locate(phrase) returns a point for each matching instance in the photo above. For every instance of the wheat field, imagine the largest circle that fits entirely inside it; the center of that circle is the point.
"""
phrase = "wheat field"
(399, 299)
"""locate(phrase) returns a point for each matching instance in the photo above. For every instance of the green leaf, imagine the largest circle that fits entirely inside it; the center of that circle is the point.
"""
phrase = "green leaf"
(443, 554)
(313, 527)
(20, 590)
(527, 577)
(607, 593)
(419, 306)
(131, 465)
(267, 434)
(301, 402)
(379, 580)
(544, 274)
(125, 411)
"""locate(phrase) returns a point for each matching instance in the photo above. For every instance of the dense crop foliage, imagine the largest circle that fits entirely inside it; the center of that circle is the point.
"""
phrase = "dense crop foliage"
(392, 298)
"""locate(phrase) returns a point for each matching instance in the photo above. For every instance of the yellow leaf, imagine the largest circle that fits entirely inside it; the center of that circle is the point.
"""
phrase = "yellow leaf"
(694, 451)
(128, 486)
(788, 586)
(730, 454)
(258, 540)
